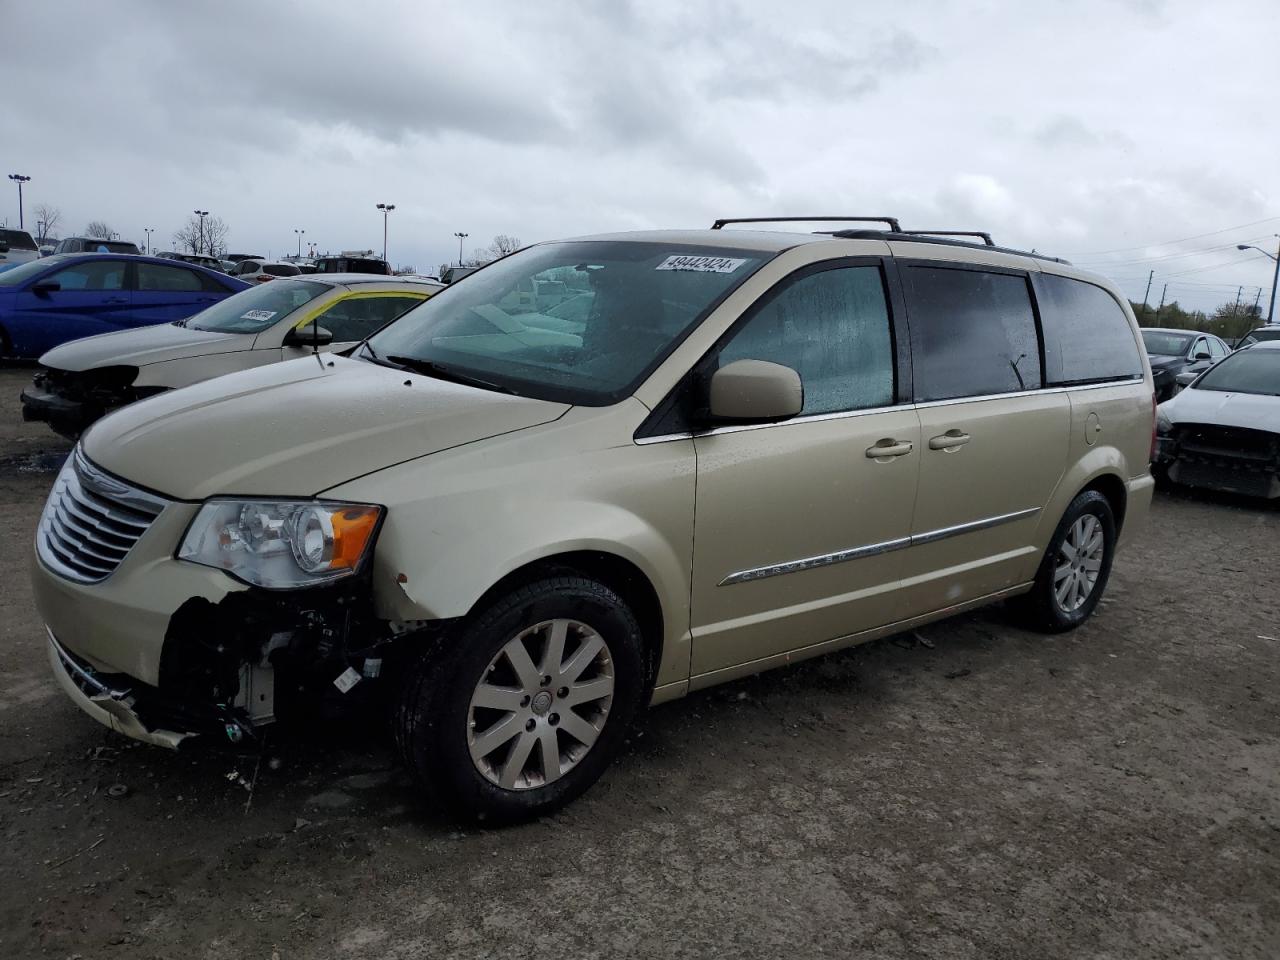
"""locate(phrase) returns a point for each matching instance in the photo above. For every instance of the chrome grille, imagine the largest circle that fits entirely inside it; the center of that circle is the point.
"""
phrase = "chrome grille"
(91, 521)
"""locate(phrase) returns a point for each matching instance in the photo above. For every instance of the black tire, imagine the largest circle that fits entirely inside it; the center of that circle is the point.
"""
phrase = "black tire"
(1041, 609)
(434, 715)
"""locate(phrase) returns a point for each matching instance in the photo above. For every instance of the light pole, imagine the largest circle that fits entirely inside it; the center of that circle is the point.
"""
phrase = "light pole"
(201, 214)
(461, 236)
(386, 208)
(40, 231)
(299, 233)
(148, 231)
(1275, 276)
(19, 179)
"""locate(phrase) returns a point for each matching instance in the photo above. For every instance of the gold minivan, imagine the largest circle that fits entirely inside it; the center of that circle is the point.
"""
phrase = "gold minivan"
(691, 456)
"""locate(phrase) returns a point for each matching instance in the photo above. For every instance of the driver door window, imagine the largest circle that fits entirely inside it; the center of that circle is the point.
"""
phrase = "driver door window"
(832, 328)
(94, 275)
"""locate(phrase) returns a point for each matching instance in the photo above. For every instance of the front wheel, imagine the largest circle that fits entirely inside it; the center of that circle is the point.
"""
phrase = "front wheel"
(1075, 568)
(528, 702)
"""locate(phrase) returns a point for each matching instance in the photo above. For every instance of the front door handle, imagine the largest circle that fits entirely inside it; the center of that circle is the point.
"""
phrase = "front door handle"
(116, 300)
(949, 440)
(888, 448)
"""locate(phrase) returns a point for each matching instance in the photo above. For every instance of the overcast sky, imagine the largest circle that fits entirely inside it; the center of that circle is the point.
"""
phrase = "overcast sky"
(1077, 128)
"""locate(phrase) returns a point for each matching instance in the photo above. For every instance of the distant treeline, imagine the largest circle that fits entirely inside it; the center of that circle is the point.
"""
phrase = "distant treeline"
(1230, 321)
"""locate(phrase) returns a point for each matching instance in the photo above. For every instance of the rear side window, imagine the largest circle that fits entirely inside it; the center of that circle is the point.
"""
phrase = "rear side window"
(18, 239)
(973, 333)
(153, 276)
(1087, 336)
(832, 327)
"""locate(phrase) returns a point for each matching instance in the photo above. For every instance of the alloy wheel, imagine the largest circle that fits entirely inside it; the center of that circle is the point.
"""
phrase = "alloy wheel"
(541, 704)
(1078, 562)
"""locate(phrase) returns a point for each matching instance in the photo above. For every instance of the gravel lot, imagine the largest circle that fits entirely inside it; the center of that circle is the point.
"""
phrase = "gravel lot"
(988, 793)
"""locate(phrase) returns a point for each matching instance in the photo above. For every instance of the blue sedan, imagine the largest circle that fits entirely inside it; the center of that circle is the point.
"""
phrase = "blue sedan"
(72, 295)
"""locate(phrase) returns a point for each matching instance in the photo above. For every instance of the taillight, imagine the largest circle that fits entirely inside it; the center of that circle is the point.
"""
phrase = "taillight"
(1152, 457)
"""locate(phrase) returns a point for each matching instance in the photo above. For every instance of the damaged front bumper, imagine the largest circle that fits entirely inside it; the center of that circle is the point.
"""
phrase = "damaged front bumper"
(104, 699)
(1228, 459)
(70, 401)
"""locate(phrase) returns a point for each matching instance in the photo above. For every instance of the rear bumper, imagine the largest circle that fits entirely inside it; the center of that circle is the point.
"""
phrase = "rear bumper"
(109, 699)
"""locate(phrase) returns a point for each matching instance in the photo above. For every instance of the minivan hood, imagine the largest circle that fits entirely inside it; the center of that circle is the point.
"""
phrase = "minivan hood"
(298, 428)
(137, 348)
(1248, 410)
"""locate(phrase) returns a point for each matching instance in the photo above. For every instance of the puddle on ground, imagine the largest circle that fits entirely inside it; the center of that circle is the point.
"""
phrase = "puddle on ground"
(34, 463)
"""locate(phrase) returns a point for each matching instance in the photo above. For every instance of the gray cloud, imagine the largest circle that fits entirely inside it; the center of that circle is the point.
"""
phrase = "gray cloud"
(562, 118)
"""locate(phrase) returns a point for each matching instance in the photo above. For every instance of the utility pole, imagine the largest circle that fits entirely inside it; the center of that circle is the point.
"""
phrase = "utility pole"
(1147, 294)
(1161, 307)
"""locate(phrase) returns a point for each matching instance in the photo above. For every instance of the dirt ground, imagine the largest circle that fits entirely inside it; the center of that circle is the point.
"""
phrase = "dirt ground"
(1113, 793)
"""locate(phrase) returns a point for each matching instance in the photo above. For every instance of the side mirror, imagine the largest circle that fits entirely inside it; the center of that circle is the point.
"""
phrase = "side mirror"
(308, 335)
(46, 286)
(755, 390)
(4, 246)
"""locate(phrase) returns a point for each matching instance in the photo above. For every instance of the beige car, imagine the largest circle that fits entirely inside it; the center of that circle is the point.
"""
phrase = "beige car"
(752, 448)
(82, 380)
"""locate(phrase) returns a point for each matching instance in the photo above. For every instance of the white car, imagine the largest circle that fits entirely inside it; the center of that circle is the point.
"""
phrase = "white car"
(1223, 431)
(17, 246)
(260, 271)
(82, 380)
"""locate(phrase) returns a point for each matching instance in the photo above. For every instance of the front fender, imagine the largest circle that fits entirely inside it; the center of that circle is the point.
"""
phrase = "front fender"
(460, 521)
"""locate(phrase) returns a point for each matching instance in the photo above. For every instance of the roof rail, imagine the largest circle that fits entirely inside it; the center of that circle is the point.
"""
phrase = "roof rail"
(891, 221)
(983, 235)
(917, 237)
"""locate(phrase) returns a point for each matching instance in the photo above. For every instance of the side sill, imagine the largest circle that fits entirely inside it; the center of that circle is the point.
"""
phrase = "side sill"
(704, 680)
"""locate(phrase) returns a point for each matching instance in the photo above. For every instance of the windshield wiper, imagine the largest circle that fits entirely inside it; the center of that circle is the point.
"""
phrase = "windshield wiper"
(430, 369)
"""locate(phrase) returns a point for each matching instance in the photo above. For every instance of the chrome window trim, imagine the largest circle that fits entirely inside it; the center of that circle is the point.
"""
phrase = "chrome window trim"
(845, 414)
(874, 549)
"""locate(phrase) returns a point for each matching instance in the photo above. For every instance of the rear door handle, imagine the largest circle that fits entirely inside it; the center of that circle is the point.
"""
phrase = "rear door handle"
(887, 448)
(949, 440)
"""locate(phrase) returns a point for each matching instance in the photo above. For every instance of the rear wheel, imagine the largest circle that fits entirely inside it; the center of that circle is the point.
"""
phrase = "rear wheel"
(1075, 568)
(528, 702)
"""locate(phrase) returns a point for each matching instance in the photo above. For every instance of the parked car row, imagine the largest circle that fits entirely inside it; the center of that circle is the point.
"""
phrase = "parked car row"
(85, 379)
(729, 451)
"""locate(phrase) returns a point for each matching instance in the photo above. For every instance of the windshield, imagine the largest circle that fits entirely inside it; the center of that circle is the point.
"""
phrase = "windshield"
(110, 246)
(496, 324)
(1166, 344)
(1249, 371)
(18, 239)
(253, 310)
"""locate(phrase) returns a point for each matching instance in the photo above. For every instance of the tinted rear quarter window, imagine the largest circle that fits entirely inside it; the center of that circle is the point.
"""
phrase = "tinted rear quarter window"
(18, 239)
(1087, 337)
(973, 332)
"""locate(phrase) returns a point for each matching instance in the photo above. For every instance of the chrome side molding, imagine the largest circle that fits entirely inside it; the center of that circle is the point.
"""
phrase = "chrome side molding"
(873, 549)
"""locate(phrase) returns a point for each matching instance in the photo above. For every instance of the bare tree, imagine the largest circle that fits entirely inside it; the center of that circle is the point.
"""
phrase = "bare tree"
(99, 230)
(209, 237)
(47, 220)
(504, 244)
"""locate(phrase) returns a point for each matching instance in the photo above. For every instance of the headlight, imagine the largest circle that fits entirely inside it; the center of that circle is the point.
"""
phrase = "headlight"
(281, 543)
(1164, 426)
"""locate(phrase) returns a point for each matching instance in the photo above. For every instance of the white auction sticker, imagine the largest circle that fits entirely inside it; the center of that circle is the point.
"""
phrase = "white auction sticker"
(258, 315)
(347, 679)
(701, 264)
